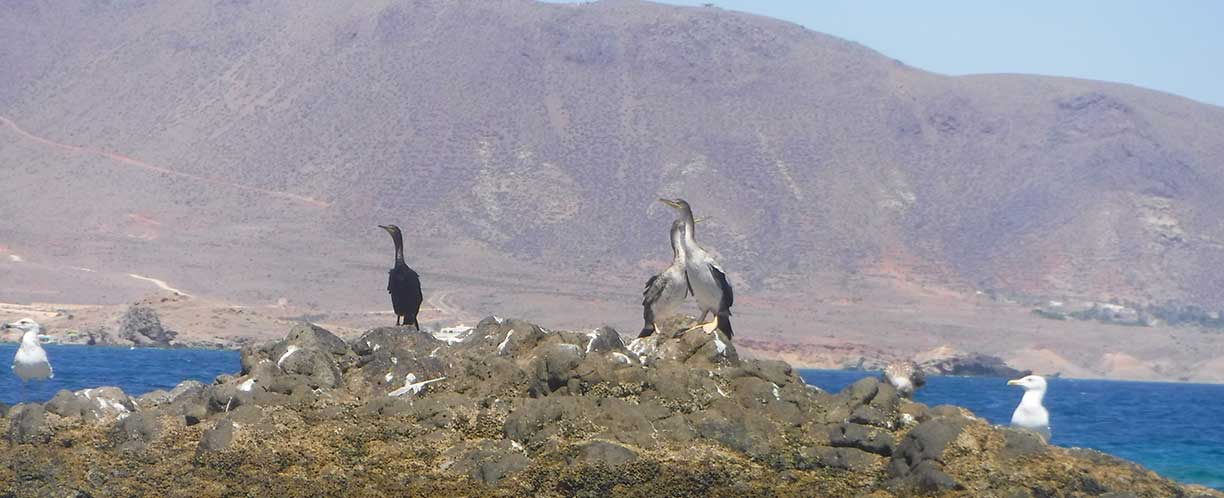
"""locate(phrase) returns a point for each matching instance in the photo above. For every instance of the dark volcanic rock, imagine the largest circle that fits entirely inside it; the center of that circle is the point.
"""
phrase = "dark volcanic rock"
(141, 325)
(99, 336)
(869, 439)
(93, 405)
(486, 461)
(976, 364)
(28, 424)
(136, 431)
(603, 453)
(851, 459)
(927, 441)
(218, 437)
(514, 409)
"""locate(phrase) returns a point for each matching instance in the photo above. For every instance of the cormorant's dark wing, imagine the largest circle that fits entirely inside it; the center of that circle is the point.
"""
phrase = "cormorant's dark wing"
(414, 283)
(649, 282)
(728, 297)
(405, 288)
(654, 288)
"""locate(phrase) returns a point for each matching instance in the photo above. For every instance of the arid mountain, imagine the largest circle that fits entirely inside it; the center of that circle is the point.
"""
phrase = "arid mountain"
(245, 150)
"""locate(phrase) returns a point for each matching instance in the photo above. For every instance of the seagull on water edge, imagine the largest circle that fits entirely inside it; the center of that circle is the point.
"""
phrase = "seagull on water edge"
(1031, 414)
(30, 362)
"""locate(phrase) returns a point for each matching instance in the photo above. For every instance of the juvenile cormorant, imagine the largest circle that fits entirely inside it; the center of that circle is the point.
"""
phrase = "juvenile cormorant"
(30, 362)
(706, 278)
(403, 284)
(666, 291)
(906, 376)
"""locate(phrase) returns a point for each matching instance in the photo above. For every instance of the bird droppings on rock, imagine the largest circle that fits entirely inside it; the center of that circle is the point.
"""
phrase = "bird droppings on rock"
(525, 411)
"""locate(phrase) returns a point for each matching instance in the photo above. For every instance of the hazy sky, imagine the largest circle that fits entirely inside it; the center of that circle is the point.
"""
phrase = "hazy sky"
(1174, 46)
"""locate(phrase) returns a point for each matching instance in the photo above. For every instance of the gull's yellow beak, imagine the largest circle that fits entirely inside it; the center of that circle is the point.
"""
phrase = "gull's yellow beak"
(1013, 382)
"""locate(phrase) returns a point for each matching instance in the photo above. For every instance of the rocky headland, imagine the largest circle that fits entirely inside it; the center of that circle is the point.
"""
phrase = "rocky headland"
(508, 408)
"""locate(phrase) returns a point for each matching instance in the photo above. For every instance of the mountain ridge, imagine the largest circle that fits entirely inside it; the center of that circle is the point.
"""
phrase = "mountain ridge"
(526, 143)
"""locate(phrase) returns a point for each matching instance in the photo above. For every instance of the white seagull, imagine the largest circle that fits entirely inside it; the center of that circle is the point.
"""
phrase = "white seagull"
(412, 387)
(30, 362)
(1030, 414)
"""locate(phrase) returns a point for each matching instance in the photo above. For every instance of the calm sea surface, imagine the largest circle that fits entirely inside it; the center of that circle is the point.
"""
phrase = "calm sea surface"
(1174, 429)
(136, 371)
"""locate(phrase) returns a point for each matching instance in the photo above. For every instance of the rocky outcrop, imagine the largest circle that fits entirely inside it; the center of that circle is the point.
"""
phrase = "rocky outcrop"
(514, 409)
(143, 327)
(945, 360)
(972, 364)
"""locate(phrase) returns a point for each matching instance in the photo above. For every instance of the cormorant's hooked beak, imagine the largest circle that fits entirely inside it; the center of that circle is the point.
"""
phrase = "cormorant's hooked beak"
(385, 227)
(698, 220)
(670, 202)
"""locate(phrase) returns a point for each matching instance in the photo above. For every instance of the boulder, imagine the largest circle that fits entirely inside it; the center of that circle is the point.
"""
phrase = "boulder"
(917, 460)
(28, 424)
(851, 459)
(484, 461)
(309, 358)
(94, 405)
(604, 340)
(972, 364)
(136, 431)
(141, 325)
(217, 438)
(555, 366)
(863, 437)
(694, 348)
(1022, 444)
(602, 454)
(99, 336)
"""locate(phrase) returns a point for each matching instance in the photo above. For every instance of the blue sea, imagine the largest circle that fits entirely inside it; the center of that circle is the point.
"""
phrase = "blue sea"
(1174, 429)
(136, 371)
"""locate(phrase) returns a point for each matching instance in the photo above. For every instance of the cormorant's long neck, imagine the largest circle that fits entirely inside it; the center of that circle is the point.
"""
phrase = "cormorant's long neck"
(399, 248)
(677, 243)
(690, 227)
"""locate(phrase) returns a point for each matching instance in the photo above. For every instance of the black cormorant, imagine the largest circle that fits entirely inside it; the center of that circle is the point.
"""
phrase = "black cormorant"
(706, 278)
(404, 284)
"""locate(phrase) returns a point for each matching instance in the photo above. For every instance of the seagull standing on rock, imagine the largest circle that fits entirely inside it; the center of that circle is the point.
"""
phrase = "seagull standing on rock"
(30, 362)
(1030, 414)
